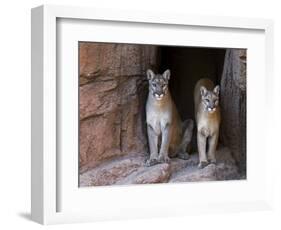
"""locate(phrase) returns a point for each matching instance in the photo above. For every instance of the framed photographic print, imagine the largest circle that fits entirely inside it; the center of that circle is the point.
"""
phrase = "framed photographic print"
(141, 114)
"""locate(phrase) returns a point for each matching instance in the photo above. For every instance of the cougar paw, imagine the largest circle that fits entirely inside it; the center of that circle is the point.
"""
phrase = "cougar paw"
(183, 155)
(151, 162)
(164, 159)
(202, 164)
(213, 161)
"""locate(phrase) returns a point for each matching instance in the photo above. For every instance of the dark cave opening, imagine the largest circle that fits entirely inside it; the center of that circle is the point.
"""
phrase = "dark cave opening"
(188, 65)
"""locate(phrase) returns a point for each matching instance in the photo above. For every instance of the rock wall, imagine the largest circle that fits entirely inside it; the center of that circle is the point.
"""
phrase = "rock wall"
(113, 89)
(233, 105)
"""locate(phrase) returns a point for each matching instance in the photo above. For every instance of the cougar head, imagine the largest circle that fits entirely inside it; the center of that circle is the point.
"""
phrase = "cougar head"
(158, 83)
(210, 99)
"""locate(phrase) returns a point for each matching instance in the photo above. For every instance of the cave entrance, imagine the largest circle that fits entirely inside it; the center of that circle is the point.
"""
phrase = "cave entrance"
(188, 65)
(225, 67)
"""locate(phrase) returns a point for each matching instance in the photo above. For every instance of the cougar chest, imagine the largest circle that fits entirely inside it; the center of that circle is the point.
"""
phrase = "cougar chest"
(207, 124)
(158, 116)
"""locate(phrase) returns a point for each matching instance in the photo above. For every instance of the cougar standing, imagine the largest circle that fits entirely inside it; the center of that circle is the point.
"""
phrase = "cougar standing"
(207, 114)
(168, 136)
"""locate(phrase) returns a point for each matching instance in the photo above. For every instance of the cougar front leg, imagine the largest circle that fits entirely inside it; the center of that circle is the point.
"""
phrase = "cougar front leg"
(213, 141)
(164, 155)
(153, 143)
(201, 141)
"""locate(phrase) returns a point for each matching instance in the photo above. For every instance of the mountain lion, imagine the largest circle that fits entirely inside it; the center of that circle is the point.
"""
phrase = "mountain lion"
(168, 136)
(207, 115)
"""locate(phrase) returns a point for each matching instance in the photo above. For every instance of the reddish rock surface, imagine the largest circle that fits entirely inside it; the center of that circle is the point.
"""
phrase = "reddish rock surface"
(225, 169)
(112, 171)
(131, 170)
(113, 89)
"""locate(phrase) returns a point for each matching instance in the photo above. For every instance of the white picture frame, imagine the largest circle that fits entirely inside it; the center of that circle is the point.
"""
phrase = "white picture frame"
(56, 199)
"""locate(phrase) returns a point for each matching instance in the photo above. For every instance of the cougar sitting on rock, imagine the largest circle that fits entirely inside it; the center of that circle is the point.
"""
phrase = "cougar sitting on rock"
(207, 115)
(168, 136)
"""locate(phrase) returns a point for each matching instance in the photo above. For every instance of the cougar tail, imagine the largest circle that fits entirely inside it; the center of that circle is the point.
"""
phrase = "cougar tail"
(187, 128)
(187, 131)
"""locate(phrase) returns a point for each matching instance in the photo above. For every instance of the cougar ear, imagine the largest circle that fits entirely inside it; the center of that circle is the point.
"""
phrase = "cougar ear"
(167, 74)
(203, 91)
(149, 74)
(217, 90)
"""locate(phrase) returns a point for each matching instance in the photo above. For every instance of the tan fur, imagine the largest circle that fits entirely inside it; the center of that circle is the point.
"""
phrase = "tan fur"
(167, 135)
(163, 113)
(207, 125)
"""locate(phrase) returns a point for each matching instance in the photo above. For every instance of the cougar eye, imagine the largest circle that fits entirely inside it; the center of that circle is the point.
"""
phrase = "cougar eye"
(207, 100)
(154, 85)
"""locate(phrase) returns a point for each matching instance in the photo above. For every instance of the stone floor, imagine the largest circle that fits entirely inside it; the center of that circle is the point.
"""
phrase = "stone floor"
(131, 170)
